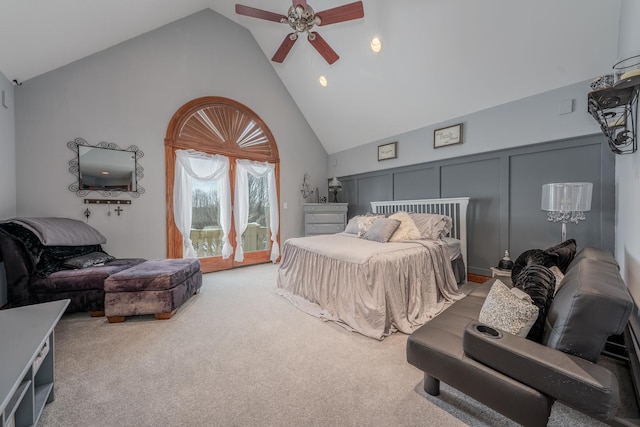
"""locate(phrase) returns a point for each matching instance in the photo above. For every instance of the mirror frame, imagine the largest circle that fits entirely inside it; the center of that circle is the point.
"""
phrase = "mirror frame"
(74, 168)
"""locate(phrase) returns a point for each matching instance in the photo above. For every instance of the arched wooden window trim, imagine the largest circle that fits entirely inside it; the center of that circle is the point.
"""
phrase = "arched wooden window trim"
(215, 125)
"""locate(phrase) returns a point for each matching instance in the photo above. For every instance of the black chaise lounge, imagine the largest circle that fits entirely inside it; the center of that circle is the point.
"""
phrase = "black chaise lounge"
(521, 378)
(49, 259)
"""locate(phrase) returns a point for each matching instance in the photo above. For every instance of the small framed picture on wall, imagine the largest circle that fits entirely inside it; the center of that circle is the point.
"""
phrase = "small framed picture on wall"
(388, 151)
(447, 136)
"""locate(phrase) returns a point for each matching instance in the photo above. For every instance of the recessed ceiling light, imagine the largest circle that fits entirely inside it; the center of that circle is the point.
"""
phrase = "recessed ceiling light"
(323, 81)
(376, 45)
(105, 172)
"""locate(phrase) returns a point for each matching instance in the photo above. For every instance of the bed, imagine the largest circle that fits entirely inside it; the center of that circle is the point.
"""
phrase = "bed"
(376, 288)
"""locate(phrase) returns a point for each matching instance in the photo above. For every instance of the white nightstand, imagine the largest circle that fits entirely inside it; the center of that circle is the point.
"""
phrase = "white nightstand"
(324, 218)
(497, 272)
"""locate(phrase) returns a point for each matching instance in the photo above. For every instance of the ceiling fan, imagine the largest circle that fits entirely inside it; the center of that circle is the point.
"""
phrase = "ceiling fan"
(302, 18)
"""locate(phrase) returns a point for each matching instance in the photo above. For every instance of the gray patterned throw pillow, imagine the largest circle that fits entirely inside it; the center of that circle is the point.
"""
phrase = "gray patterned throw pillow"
(382, 229)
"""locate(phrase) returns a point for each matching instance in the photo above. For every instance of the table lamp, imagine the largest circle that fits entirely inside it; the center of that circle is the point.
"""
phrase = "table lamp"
(335, 186)
(566, 202)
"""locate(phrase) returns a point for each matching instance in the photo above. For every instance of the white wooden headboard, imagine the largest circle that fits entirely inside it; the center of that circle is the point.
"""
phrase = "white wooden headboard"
(454, 207)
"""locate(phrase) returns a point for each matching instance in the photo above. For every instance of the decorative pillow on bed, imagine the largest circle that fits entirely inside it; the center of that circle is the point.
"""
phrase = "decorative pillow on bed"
(432, 226)
(510, 310)
(382, 229)
(89, 260)
(407, 229)
(364, 223)
(352, 225)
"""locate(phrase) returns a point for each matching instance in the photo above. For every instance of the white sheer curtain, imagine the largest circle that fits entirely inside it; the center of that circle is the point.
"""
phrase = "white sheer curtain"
(192, 164)
(241, 209)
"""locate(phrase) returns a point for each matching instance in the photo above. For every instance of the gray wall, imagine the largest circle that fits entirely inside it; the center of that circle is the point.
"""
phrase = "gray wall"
(127, 94)
(628, 183)
(505, 189)
(8, 150)
(523, 122)
(628, 169)
(7, 165)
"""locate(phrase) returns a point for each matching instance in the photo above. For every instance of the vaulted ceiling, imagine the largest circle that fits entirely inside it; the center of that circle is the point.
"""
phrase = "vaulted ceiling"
(440, 59)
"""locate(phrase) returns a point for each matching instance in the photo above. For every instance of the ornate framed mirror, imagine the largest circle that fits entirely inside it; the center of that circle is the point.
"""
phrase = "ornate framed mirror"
(105, 168)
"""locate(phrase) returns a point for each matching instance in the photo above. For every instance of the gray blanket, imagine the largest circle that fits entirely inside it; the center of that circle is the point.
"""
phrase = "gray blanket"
(61, 231)
(368, 287)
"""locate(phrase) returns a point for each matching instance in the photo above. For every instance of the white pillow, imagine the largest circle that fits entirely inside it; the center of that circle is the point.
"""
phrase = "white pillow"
(510, 310)
(407, 229)
(558, 275)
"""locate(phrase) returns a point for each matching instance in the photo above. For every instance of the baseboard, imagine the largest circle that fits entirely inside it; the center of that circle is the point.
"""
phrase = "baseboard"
(477, 278)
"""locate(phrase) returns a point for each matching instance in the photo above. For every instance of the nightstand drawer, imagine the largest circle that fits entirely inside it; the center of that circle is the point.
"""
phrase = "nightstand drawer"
(323, 228)
(325, 207)
(324, 218)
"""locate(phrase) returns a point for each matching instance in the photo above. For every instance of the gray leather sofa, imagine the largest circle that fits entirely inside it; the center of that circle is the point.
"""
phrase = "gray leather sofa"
(520, 378)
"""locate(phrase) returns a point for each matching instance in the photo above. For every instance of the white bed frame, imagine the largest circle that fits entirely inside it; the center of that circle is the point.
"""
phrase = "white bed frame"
(454, 207)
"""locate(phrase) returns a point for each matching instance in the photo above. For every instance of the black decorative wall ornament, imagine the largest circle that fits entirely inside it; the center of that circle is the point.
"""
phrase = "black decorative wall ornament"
(105, 168)
(616, 110)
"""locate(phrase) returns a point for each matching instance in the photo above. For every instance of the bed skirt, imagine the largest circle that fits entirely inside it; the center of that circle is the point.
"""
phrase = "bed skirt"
(459, 270)
(396, 289)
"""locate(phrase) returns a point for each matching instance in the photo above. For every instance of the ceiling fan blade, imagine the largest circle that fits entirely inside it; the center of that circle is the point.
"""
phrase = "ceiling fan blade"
(284, 49)
(302, 3)
(343, 13)
(258, 13)
(323, 48)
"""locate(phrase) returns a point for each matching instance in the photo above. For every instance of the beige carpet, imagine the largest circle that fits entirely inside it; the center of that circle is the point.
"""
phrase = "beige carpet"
(237, 354)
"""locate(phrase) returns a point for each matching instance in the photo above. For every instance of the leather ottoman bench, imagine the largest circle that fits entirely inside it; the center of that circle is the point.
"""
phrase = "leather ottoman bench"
(155, 287)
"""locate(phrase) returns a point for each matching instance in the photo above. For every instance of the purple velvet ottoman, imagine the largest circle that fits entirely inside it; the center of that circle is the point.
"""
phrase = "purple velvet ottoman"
(156, 287)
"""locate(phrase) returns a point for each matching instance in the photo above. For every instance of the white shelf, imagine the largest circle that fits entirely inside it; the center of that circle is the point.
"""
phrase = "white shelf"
(27, 368)
(15, 401)
(41, 355)
(41, 394)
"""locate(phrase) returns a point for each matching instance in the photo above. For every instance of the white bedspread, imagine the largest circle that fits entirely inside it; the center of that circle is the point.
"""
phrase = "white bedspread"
(368, 287)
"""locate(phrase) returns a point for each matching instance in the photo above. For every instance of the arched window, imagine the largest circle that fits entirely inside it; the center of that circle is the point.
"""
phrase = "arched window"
(221, 127)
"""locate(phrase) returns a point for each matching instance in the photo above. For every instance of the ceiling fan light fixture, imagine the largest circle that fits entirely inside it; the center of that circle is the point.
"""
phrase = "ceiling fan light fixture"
(323, 81)
(302, 19)
(376, 45)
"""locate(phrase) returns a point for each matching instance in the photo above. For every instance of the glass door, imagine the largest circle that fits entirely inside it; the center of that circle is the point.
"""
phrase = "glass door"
(256, 239)
(206, 231)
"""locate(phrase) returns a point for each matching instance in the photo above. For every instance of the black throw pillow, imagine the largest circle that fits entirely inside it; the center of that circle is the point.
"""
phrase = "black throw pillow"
(533, 256)
(539, 283)
(566, 251)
